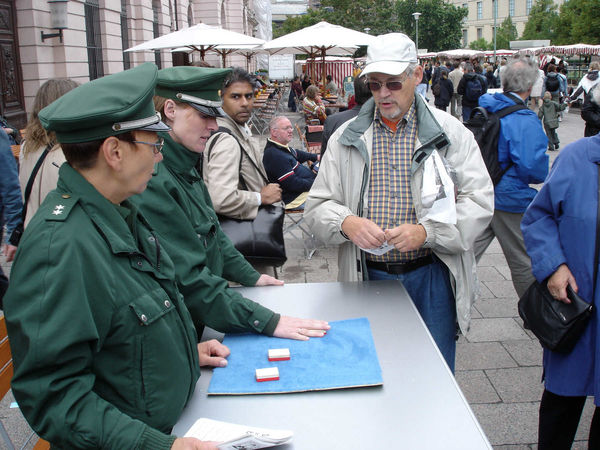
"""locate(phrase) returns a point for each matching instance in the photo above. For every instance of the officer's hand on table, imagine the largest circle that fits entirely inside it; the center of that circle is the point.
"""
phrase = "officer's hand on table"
(363, 232)
(212, 353)
(300, 329)
(268, 280)
(9, 252)
(270, 194)
(189, 443)
(406, 237)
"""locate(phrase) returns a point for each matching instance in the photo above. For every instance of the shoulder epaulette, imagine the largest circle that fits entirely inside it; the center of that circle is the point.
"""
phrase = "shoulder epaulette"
(60, 208)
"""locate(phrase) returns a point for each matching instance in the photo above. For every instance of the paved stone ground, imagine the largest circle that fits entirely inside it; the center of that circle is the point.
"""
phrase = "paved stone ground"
(498, 363)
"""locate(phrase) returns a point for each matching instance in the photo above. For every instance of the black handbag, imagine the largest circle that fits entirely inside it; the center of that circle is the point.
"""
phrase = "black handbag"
(260, 240)
(558, 325)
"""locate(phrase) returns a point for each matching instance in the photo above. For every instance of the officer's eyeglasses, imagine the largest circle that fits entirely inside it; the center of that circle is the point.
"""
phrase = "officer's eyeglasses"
(158, 145)
(394, 85)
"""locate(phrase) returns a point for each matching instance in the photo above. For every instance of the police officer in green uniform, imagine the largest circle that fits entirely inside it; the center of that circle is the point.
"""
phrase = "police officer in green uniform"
(178, 205)
(105, 352)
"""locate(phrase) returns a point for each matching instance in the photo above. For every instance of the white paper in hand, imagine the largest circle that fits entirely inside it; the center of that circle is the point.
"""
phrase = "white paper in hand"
(232, 436)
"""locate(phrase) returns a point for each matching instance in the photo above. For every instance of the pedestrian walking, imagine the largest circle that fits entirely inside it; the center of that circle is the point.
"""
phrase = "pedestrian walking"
(549, 115)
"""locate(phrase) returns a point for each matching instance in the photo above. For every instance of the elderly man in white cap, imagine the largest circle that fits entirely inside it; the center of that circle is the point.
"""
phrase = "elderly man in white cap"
(371, 193)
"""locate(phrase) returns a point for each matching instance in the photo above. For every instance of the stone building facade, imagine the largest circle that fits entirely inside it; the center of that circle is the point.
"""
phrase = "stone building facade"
(97, 33)
(480, 21)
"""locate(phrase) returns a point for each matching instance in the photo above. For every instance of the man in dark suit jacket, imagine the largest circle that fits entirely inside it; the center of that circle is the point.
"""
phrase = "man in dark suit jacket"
(361, 95)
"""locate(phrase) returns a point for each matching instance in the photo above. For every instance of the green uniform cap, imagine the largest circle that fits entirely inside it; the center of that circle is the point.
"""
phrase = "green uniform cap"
(198, 86)
(106, 107)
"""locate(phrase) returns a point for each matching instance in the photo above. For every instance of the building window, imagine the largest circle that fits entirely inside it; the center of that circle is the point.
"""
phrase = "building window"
(528, 5)
(125, 36)
(479, 33)
(465, 42)
(93, 40)
(466, 6)
(155, 31)
(511, 8)
(479, 11)
(190, 18)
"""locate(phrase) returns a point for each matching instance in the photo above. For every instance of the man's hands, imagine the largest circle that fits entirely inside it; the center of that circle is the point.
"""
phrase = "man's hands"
(189, 443)
(300, 329)
(270, 194)
(268, 280)
(363, 232)
(9, 252)
(367, 234)
(212, 353)
(406, 237)
(557, 283)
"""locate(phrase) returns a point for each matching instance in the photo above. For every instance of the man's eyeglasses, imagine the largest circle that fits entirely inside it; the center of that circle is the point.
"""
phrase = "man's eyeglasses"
(158, 145)
(391, 85)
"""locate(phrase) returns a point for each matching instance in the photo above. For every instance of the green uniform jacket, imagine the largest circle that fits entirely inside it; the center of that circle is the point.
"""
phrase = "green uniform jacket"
(105, 351)
(177, 204)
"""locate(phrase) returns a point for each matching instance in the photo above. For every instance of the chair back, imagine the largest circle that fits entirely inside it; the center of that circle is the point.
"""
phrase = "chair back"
(6, 366)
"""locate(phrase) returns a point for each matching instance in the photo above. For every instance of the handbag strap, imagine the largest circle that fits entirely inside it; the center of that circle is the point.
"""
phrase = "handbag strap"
(31, 180)
(244, 151)
(597, 246)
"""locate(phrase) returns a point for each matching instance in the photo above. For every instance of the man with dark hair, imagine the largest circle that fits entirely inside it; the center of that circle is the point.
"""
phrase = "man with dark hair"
(471, 87)
(361, 95)
(233, 169)
(331, 86)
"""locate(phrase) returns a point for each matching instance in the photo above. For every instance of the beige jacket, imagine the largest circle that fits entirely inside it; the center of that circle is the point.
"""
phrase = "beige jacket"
(46, 178)
(342, 185)
(226, 165)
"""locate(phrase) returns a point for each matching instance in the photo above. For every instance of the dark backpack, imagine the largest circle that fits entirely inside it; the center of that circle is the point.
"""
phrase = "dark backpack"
(552, 84)
(437, 88)
(485, 126)
(473, 90)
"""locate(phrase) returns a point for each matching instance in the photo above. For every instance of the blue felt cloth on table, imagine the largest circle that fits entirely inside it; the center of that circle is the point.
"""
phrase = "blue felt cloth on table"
(344, 357)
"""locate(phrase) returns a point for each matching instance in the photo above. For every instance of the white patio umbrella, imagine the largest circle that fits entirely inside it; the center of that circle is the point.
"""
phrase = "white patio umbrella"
(248, 51)
(319, 40)
(199, 37)
(461, 53)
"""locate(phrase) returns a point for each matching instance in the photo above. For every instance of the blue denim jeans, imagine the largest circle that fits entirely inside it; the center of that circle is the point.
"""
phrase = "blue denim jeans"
(466, 112)
(431, 292)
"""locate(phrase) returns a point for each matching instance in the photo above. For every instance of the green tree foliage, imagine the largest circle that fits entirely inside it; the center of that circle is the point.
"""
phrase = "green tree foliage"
(578, 22)
(505, 33)
(481, 44)
(439, 24)
(542, 22)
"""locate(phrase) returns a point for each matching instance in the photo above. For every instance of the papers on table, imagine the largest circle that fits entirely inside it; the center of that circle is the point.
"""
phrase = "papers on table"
(235, 437)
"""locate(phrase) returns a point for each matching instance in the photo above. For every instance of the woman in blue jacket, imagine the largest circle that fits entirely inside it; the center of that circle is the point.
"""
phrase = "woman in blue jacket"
(559, 228)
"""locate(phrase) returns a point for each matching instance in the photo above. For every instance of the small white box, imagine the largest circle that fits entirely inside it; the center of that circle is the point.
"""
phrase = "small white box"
(267, 374)
(279, 354)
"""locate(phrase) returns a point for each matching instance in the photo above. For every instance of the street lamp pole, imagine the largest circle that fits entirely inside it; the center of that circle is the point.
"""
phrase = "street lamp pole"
(416, 16)
(494, 12)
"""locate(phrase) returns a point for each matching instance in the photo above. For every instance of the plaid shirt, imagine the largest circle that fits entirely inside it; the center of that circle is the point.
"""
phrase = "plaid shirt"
(390, 198)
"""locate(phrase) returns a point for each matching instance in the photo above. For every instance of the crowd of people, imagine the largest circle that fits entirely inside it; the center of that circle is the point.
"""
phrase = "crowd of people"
(123, 261)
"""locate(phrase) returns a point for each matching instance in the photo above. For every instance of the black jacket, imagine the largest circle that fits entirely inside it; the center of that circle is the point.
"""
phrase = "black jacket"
(590, 112)
(446, 91)
(462, 88)
(284, 166)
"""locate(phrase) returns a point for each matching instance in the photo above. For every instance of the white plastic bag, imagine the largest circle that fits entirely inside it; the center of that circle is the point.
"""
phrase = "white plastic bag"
(437, 192)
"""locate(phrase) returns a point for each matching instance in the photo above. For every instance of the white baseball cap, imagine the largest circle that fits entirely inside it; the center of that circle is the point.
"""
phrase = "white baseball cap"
(390, 54)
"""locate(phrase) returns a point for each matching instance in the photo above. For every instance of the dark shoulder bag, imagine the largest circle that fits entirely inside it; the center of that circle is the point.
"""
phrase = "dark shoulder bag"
(15, 236)
(558, 325)
(260, 240)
